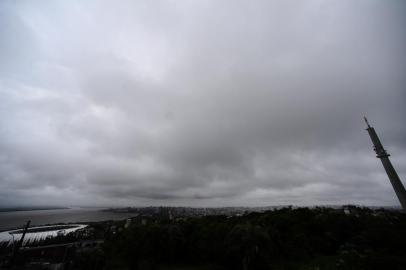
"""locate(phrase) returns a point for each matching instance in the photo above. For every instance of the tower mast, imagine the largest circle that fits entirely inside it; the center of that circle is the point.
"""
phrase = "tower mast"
(384, 157)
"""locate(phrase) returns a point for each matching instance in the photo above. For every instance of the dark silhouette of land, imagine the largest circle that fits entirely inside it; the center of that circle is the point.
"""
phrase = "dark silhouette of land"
(287, 238)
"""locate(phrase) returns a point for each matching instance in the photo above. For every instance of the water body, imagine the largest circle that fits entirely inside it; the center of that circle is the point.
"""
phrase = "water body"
(17, 219)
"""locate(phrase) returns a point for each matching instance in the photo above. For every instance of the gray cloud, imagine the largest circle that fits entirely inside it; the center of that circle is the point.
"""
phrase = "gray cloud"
(209, 103)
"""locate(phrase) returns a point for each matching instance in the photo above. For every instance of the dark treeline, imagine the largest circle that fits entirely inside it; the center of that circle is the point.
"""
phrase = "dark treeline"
(288, 238)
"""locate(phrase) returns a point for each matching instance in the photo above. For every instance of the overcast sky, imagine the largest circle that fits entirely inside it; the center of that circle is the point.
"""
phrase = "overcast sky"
(200, 103)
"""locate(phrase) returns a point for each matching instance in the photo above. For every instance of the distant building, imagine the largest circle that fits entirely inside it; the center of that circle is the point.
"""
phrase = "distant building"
(127, 223)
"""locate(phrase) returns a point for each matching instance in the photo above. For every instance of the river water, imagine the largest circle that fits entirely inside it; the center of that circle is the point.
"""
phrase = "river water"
(17, 219)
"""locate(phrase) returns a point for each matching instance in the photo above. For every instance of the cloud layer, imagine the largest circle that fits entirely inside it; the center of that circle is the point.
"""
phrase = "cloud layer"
(203, 103)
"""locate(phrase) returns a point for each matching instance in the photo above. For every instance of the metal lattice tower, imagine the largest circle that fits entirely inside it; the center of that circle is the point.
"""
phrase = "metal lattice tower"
(384, 157)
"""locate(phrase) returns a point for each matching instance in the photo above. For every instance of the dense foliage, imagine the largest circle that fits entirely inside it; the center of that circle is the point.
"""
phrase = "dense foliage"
(288, 238)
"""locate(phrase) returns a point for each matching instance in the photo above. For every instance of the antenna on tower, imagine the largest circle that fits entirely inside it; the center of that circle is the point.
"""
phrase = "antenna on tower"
(366, 121)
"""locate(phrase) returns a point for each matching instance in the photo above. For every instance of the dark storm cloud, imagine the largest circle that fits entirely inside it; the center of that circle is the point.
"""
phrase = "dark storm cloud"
(203, 103)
